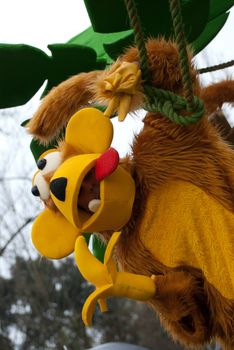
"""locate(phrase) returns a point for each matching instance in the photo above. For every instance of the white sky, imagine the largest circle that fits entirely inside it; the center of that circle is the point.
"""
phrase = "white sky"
(41, 22)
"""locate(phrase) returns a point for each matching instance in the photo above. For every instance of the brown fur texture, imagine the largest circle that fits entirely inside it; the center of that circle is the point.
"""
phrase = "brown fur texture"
(190, 308)
(215, 94)
(165, 73)
(59, 105)
(220, 122)
(64, 100)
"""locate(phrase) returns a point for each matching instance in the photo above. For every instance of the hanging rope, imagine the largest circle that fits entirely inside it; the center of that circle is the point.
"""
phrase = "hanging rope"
(139, 38)
(216, 67)
(158, 100)
(177, 20)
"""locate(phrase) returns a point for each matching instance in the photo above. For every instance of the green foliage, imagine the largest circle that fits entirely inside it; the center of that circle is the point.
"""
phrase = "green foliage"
(110, 17)
(212, 28)
(69, 59)
(218, 7)
(156, 21)
(97, 41)
(24, 68)
(38, 148)
(98, 248)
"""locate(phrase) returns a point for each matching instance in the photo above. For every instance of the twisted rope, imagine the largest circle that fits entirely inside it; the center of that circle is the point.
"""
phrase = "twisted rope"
(216, 67)
(169, 105)
(177, 20)
(158, 100)
(139, 38)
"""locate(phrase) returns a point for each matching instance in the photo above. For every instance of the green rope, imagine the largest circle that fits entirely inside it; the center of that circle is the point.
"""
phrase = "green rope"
(177, 20)
(158, 100)
(139, 38)
(169, 105)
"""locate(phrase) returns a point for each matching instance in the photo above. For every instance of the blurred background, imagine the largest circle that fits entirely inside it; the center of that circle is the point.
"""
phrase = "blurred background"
(41, 300)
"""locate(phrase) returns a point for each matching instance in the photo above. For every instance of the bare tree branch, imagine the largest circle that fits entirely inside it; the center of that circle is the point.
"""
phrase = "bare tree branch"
(15, 178)
(14, 235)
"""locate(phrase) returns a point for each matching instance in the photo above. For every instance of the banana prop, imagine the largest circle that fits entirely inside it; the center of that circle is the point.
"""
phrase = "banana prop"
(122, 84)
(108, 281)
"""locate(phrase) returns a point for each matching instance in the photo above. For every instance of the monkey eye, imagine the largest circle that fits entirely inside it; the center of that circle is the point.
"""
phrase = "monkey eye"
(40, 187)
(41, 163)
(35, 191)
(50, 162)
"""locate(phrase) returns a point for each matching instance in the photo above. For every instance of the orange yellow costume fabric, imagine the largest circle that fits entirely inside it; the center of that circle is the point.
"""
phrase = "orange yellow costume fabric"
(184, 226)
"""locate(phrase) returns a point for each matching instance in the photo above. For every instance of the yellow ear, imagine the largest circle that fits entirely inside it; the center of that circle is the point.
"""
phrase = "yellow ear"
(53, 236)
(89, 131)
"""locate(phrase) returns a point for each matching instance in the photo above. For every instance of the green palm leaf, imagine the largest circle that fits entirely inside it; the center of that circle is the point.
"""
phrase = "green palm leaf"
(218, 7)
(211, 30)
(97, 41)
(24, 68)
(156, 21)
(154, 15)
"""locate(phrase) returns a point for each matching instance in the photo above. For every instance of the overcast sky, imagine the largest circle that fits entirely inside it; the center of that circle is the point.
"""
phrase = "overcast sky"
(41, 22)
(44, 22)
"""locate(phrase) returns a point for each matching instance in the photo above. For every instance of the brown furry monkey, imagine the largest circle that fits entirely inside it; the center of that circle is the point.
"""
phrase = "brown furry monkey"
(181, 228)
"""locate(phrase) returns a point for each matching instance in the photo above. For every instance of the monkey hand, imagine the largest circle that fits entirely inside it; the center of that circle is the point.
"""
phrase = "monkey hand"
(121, 83)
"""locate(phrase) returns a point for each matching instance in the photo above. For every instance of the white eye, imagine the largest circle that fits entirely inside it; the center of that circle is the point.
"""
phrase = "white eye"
(49, 163)
(40, 187)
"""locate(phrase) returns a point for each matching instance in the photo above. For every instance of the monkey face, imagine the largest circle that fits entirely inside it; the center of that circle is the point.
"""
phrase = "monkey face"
(107, 207)
(90, 190)
(47, 165)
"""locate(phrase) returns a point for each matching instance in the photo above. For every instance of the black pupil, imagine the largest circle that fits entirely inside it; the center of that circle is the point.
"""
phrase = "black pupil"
(41, 163)
(35, 191)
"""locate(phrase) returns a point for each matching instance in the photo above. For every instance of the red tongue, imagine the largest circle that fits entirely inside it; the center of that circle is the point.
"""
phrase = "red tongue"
(106, 164)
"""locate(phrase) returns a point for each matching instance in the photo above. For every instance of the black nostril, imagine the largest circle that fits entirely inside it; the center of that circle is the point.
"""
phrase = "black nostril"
(41, 163)
(58, 188)
(35, 191)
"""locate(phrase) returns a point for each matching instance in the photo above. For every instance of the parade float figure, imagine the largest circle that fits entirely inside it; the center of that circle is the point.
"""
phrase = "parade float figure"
(172, 198)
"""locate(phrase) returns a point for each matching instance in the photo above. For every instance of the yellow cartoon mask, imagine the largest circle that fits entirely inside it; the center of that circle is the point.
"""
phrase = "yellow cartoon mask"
(90, 133)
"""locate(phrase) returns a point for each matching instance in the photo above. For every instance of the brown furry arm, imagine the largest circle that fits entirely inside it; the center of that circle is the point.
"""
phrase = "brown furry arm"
(192, 310)
(60, 104)
(215, 95)
(183, 307)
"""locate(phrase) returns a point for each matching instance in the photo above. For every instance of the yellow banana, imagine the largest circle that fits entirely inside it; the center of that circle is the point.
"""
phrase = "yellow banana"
(108, 281)
(90, 267)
